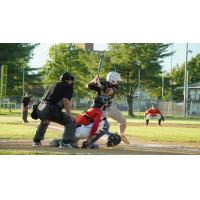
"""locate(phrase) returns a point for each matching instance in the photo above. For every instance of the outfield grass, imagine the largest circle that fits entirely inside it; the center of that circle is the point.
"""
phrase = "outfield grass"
(11, 128)
(165, 134)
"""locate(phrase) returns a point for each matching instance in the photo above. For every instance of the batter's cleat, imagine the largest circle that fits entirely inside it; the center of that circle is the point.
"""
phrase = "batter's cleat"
(36, 143)
(124, 139)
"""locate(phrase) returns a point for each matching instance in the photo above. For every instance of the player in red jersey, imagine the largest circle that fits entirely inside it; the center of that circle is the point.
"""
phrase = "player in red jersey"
(152, 113)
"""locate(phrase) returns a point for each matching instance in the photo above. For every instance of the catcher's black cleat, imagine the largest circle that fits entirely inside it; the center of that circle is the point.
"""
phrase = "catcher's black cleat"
(69, 145)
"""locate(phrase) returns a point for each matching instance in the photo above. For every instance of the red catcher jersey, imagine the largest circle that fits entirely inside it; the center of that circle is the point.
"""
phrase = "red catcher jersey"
(92, 115)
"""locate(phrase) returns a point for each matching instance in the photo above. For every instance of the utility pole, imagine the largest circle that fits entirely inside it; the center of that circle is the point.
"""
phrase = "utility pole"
(171, 60)
(186, 82)
(163, 82)
(23, 79)
(139, 90)
(171, 82)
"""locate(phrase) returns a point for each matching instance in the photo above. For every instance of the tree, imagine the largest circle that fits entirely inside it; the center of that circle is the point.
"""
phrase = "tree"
(69, 57)
(178, 74)
(129, 58)
(16, 56)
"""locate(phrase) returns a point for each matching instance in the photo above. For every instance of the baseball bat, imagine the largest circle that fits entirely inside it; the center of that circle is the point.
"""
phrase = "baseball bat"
(100, 66)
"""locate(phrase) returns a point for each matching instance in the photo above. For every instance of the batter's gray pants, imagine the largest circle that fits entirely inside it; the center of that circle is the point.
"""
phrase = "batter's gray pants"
(115, 114)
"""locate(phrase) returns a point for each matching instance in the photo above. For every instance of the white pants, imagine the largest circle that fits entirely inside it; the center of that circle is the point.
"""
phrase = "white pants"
(158, 116)
(83, 132)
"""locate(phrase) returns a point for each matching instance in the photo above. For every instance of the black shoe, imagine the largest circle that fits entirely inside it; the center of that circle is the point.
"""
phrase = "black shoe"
(36, 143)
(68, 145)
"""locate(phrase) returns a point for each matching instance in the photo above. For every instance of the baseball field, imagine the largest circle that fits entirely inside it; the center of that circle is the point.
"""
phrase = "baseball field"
(175, 136)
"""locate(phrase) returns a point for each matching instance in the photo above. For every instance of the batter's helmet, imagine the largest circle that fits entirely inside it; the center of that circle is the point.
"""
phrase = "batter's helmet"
(113, 77)
(113, 140)
(66, 76)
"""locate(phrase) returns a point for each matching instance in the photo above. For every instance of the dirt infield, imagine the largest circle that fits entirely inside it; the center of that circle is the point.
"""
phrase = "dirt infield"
(135, 148)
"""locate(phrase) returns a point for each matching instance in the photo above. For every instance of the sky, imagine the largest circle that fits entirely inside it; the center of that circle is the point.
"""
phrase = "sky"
(41, 54)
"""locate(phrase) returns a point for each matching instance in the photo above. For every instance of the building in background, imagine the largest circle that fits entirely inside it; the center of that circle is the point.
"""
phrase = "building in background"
(86, 46)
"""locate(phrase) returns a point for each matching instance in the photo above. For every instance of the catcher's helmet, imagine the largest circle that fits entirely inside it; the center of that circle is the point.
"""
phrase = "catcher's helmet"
(113, 140)
(66, 76)
(99, 101)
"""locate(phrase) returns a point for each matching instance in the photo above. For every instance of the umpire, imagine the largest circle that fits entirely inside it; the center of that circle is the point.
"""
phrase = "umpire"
(58, 96)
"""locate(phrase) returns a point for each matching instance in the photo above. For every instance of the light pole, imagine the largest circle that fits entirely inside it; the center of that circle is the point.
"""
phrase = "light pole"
(23, 79)
(163, 82)
(186, 82)
(139, 89)
(171, 59)
(171, 82)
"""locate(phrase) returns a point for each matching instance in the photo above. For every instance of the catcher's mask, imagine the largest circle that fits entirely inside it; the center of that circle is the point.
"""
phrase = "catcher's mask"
(113, 140)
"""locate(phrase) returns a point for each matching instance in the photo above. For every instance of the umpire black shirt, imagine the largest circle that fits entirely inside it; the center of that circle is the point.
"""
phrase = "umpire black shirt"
(57, 92)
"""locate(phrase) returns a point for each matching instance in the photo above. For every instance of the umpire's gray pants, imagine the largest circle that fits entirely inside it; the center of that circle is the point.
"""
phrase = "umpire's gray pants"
(47, 114)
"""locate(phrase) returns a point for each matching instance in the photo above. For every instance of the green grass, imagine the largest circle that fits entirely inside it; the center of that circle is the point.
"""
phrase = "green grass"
(165, 134)
(21, 131)
(11, 128)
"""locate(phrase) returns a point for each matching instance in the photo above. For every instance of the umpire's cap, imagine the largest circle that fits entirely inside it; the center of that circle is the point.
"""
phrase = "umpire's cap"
(66, 76)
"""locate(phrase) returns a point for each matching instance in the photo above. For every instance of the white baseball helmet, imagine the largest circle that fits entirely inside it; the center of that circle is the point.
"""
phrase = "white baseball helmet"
(113, 77)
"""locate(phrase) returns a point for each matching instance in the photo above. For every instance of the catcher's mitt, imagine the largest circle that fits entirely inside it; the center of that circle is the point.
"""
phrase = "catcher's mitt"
(113, 140)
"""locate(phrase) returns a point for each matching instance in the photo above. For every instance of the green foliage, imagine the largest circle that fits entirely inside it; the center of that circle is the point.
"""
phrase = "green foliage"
(68, 57)
(125, 58)
(16, 56)
(178, 74)
(128, 58)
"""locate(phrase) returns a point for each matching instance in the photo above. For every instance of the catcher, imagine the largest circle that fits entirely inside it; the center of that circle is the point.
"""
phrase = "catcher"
(91, 126)
(108, 89)
(153, 113)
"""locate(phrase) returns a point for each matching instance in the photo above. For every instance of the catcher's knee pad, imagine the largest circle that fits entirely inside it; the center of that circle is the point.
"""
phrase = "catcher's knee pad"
(113, 140)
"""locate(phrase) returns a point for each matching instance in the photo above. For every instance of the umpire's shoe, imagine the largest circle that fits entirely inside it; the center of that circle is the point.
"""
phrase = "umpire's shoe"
(36, 143)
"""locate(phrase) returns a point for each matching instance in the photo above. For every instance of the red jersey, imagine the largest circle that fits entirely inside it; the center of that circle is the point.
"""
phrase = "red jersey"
(153, 112)
(92, 115)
